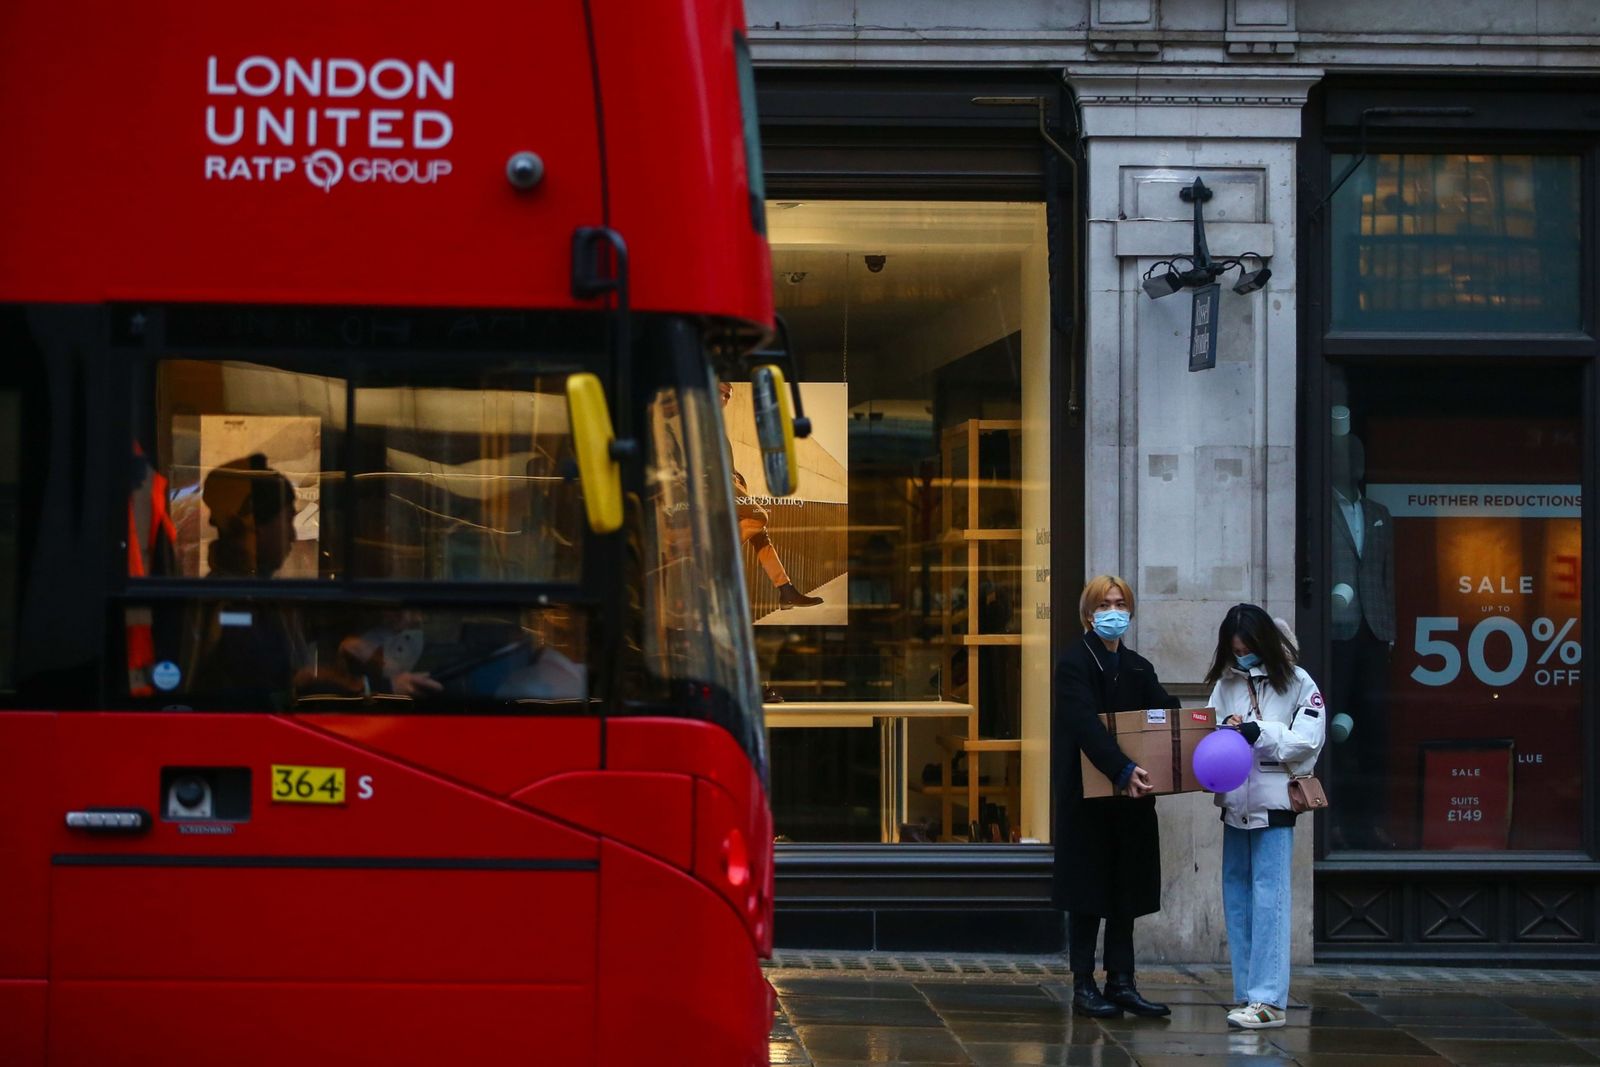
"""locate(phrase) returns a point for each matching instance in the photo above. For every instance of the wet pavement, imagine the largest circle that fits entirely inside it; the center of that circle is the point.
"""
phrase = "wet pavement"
(1366, 1017)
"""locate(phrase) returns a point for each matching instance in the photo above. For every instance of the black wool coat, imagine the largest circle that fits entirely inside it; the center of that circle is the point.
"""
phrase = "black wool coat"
(1108, 849)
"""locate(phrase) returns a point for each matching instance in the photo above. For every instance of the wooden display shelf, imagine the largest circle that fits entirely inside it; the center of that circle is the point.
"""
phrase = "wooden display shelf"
(990, 790)
(960, 743)
(976, 640)
(962, 428)
(963, 562)
(990, 534)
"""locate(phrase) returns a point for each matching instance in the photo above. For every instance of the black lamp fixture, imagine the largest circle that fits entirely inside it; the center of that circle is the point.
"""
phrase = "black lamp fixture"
(1250, 281)
(1196, 271)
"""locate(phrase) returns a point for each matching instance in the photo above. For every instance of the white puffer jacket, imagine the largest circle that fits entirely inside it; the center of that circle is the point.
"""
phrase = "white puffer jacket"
(1292, 728)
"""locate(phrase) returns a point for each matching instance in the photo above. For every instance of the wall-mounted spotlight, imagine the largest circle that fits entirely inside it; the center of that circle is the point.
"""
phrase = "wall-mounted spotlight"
(1166, 283)
(1198, 270)
(1252, 280)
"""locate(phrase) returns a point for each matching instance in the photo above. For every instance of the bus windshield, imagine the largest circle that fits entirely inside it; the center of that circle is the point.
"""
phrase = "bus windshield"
(694, 607)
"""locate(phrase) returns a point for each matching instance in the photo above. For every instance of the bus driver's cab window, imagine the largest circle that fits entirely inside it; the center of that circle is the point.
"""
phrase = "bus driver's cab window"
(257, 486)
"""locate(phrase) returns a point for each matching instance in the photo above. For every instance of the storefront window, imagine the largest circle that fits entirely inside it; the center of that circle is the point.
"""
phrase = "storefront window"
(10, 470)
(1457, 244)
(1456, 679)
(901, 597)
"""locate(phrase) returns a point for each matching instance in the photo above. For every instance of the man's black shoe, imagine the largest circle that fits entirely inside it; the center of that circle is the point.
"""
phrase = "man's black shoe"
(1087, 1001)
(790, 597)
(1121, 991)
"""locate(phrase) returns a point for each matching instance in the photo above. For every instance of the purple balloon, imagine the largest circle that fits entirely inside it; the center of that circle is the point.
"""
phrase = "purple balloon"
(1222, 761)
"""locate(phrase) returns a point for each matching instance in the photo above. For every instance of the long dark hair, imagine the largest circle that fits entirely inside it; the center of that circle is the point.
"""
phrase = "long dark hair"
(1260, 635)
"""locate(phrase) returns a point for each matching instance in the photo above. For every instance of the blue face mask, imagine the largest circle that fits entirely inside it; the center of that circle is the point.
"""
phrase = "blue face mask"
(1111, 624)
(1248, 660)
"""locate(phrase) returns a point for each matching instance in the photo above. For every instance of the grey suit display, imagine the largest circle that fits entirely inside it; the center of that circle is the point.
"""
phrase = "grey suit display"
(1370, 573)
(1363, 634)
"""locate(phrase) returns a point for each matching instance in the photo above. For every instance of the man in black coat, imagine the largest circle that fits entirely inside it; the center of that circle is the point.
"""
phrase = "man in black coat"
(1108, 849)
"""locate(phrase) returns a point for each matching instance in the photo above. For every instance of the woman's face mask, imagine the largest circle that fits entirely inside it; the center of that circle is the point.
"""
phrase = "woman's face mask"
(1248, 660)
(1111, 623)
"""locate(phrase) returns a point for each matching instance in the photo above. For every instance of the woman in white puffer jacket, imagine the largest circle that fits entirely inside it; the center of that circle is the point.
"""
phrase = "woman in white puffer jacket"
(1261, 691)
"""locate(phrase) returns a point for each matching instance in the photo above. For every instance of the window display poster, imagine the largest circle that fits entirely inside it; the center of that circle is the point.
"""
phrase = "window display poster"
(1466, 795)
(795, 547)
(1487, 627)
(291, 446)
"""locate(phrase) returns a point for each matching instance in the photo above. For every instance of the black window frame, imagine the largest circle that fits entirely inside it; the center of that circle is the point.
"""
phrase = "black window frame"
(870, 134)
(1579, 342)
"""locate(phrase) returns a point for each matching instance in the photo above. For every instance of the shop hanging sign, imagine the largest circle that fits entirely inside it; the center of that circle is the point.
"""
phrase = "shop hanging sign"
(1203, 327)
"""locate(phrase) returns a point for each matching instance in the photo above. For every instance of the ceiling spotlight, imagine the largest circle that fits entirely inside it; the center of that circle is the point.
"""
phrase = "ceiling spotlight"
(1166, 283)
(1250, 281)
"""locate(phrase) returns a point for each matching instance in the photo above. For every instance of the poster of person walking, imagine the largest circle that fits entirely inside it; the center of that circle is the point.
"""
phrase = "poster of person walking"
(795, 547)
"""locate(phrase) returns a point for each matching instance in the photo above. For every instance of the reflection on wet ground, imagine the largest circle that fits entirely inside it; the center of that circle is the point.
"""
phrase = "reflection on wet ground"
(1335, 1020)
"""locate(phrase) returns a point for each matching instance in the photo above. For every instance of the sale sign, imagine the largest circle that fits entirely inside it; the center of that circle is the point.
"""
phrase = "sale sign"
(1466, 795)
(1485, 677)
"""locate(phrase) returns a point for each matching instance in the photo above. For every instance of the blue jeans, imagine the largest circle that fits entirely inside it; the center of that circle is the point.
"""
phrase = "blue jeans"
(1255, 901)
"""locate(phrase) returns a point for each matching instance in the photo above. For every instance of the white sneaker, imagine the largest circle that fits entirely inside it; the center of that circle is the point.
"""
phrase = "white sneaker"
(1258, 1017)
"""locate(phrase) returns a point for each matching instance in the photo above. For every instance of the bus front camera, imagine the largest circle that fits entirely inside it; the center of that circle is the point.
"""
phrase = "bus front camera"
(189, 798)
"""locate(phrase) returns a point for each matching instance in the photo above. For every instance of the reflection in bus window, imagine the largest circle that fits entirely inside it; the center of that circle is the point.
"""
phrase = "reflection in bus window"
(452, 481)
(252, 509)
(466, 484)
(261, 654)
(267, 430)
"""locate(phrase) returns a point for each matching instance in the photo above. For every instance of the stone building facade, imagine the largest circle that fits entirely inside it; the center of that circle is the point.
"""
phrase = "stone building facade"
(1208, 488)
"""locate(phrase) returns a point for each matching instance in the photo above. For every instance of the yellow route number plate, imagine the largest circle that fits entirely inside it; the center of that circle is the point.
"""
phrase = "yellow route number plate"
(293, 784)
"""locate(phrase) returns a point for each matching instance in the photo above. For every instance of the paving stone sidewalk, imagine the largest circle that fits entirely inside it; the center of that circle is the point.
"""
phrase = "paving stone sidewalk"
(915, 1011)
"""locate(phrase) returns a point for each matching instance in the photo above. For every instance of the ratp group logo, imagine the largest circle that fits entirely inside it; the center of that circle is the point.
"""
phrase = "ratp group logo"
(324, 169)
(263, 111)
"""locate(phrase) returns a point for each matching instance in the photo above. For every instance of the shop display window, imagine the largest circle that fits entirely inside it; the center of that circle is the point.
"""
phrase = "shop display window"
(1453, 243)
(906, 664)
(1456, 679)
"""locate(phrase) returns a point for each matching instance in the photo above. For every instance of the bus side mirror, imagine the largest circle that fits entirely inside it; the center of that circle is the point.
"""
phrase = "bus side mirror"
(592, 438)
(775, 429)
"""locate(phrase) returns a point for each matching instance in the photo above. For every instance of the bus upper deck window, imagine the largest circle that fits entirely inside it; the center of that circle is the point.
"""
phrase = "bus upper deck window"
(244, 456)
(461, 482)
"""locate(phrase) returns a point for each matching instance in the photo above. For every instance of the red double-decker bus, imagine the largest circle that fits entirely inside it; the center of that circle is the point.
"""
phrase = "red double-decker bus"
(374, 655)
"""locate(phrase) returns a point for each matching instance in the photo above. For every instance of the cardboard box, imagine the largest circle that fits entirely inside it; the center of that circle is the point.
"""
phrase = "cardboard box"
(1161, 740)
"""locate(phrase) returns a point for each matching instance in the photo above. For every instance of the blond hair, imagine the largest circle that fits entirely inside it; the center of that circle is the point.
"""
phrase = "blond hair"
(1095, 591)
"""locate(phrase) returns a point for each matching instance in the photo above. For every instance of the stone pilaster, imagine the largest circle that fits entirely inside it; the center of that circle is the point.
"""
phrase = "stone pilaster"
(1191, 475)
